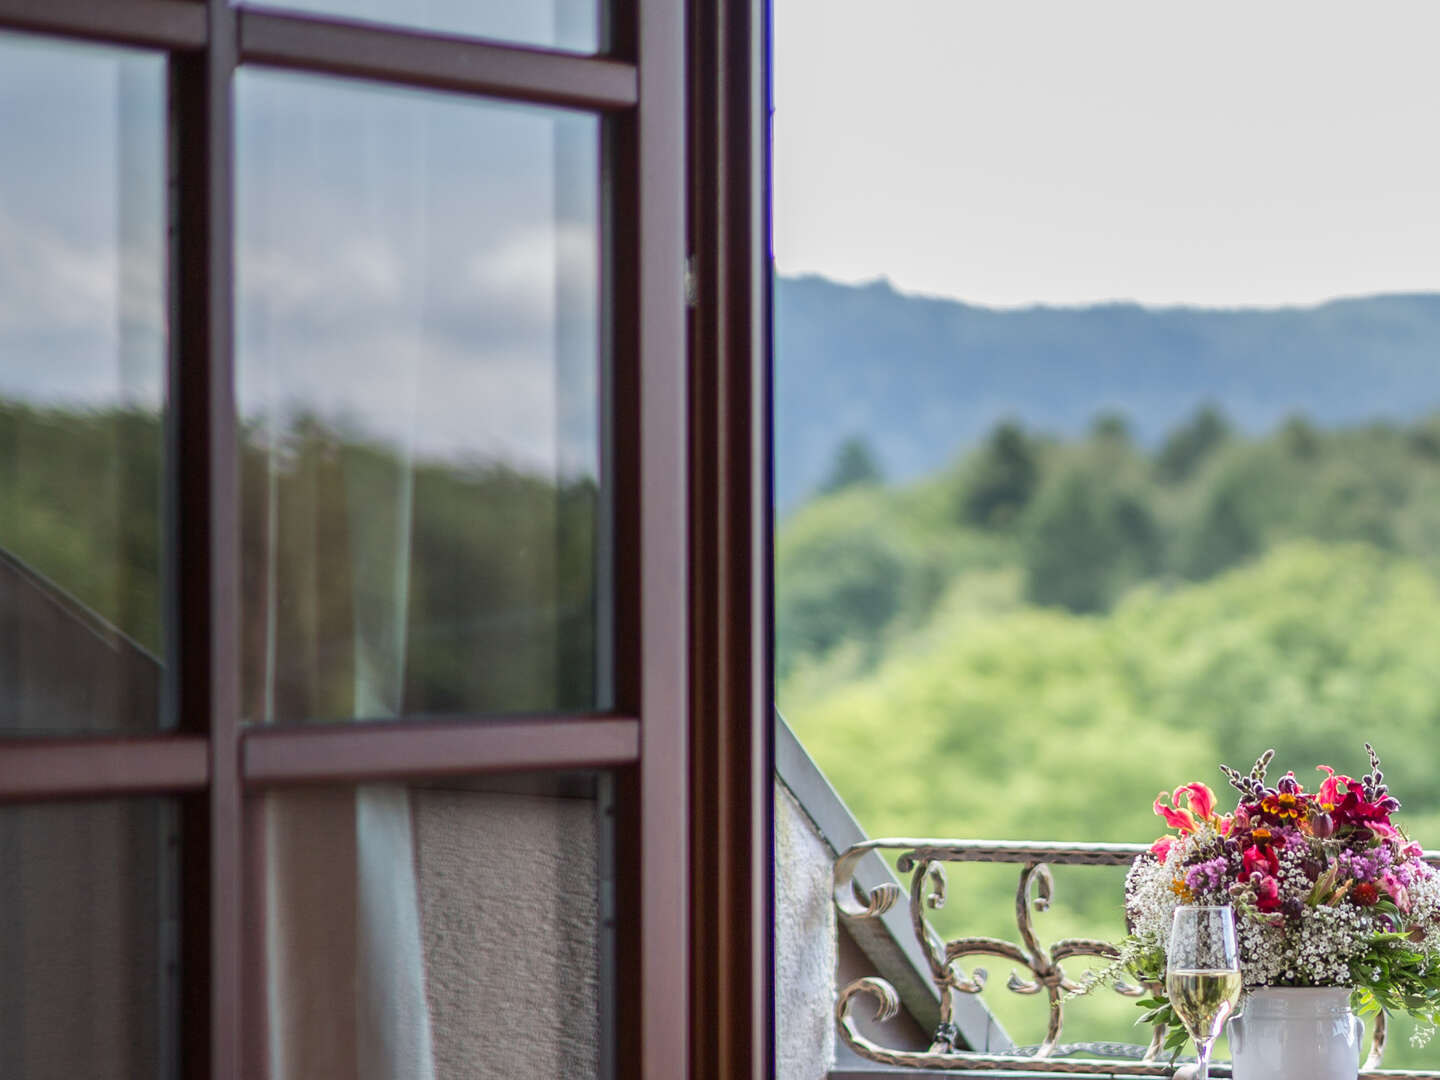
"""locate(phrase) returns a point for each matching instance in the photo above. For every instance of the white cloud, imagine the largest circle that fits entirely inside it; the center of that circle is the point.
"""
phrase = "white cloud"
(79, 322)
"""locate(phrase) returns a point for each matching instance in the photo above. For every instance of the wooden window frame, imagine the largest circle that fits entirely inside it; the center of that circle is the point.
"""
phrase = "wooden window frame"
(684, 86)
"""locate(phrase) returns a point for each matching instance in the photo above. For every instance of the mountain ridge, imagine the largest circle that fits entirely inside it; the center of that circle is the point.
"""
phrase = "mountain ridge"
(921, 378)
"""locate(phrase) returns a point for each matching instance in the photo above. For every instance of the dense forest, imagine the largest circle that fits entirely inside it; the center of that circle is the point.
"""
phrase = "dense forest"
(1033, 641)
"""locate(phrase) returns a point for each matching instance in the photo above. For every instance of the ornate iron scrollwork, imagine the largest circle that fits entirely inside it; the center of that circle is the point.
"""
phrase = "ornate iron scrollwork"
(925, 861)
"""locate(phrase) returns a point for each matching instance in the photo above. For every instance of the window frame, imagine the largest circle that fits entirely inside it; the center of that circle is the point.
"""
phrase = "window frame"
(684, 91)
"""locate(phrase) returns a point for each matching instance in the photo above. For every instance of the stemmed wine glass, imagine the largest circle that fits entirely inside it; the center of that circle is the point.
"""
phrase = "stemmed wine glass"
(1202, 973)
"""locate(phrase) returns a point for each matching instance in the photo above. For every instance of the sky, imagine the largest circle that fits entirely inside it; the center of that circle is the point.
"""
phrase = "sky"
(1011, 152)
(421, 268)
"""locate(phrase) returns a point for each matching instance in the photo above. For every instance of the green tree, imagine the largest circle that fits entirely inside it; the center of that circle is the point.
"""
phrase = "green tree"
(1086, 540)
(1003, 479)
(1110, 427)
(1225, 535)
(1187, 447)
(1424, 439)
(1300, 438)
(840, 586)
(854, 464)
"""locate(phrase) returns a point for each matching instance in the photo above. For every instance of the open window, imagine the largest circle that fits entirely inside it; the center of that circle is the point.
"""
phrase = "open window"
(383, 589)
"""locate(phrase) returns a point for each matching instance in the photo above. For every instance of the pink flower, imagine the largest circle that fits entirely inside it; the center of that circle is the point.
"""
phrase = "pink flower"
(1176, 819)
(1199, 797)
(1199, 807)
(1396, 890)
(1161, 848)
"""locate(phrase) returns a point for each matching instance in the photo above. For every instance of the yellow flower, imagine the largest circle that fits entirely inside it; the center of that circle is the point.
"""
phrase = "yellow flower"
(1283, 805)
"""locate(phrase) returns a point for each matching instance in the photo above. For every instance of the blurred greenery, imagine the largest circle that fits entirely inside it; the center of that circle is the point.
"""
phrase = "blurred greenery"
(1127, 622)
(855, 463)
(80, 504)
(457, 586)
(1029, 644)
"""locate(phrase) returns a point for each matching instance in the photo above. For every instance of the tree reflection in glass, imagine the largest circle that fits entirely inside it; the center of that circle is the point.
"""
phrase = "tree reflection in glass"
(418, 369)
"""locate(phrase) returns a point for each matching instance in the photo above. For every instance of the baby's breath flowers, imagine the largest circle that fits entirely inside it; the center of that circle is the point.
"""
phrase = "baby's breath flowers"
(1327, 891)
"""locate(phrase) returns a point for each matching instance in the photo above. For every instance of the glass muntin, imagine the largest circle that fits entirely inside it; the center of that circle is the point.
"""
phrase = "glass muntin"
(570, 25)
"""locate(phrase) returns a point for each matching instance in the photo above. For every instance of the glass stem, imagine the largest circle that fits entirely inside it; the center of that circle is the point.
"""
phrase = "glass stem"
(1202, 1071)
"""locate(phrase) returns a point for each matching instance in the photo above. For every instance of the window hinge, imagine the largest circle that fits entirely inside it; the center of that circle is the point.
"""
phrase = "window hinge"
(692, 287)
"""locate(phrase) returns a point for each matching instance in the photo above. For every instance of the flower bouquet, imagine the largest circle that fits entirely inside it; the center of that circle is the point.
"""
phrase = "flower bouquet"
(1326, 890)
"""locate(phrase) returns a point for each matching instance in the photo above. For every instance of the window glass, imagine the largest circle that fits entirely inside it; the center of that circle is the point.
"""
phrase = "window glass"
(418, 365)
(89, 940)
(445, 930)
(82, 388)
(572, 25)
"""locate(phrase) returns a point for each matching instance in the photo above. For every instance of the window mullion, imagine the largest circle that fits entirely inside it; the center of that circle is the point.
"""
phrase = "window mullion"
(107, 766)
(207, 542)
(436, 61)
(410, 751)
(157, 23)
(661, 573)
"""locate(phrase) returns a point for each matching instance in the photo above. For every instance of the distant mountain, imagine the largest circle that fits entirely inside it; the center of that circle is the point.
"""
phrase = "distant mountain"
(922, 378)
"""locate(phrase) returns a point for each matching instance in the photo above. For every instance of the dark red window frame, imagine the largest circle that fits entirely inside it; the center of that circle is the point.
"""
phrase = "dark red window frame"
(683, 85)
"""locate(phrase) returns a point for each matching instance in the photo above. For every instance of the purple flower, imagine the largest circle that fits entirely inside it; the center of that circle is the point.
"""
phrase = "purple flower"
(1208, 876)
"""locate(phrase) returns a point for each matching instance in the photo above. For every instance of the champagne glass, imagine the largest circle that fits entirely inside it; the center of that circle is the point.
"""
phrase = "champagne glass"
(1202, 973)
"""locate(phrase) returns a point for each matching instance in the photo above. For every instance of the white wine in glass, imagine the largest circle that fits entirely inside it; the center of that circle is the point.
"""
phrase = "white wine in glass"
(1202, 974)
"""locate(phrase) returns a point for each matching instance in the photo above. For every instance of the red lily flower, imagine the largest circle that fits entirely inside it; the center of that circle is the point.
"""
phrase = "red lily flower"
(1200, 798)
(1199, 807)
(1330, 789)
(1354, 810)
(1262, 859)
(1268, 894)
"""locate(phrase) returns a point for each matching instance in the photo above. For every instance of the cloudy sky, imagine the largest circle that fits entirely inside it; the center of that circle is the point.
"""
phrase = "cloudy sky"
(1069, 151)
(423, 268)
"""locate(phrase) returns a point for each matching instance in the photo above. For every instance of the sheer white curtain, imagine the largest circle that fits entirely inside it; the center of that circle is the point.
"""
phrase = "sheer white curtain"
(346, 959)
(400, 260)
(343, 906)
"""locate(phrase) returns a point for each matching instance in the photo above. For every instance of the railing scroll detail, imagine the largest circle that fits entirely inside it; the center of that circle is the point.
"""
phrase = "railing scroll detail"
(1043, 967)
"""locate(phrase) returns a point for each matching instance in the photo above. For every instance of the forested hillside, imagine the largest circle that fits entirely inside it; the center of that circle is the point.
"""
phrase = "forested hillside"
(922, 378)
(1033, 641)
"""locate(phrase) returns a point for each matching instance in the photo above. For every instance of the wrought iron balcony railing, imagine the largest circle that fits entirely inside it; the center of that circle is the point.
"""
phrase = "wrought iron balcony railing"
(925, 861)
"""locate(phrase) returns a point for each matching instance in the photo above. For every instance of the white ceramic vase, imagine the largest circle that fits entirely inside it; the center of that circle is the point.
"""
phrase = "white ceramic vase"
(1297, 1033)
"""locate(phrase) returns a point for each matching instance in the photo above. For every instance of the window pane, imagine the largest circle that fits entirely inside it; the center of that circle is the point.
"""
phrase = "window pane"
(88, 940)
(418, 367)
(82, 387)
(445, 930)
(572, 25)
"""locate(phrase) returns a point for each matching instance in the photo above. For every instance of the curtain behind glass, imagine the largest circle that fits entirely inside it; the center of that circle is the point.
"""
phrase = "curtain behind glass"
(444, 930)
(418, 374)
(419, 379)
